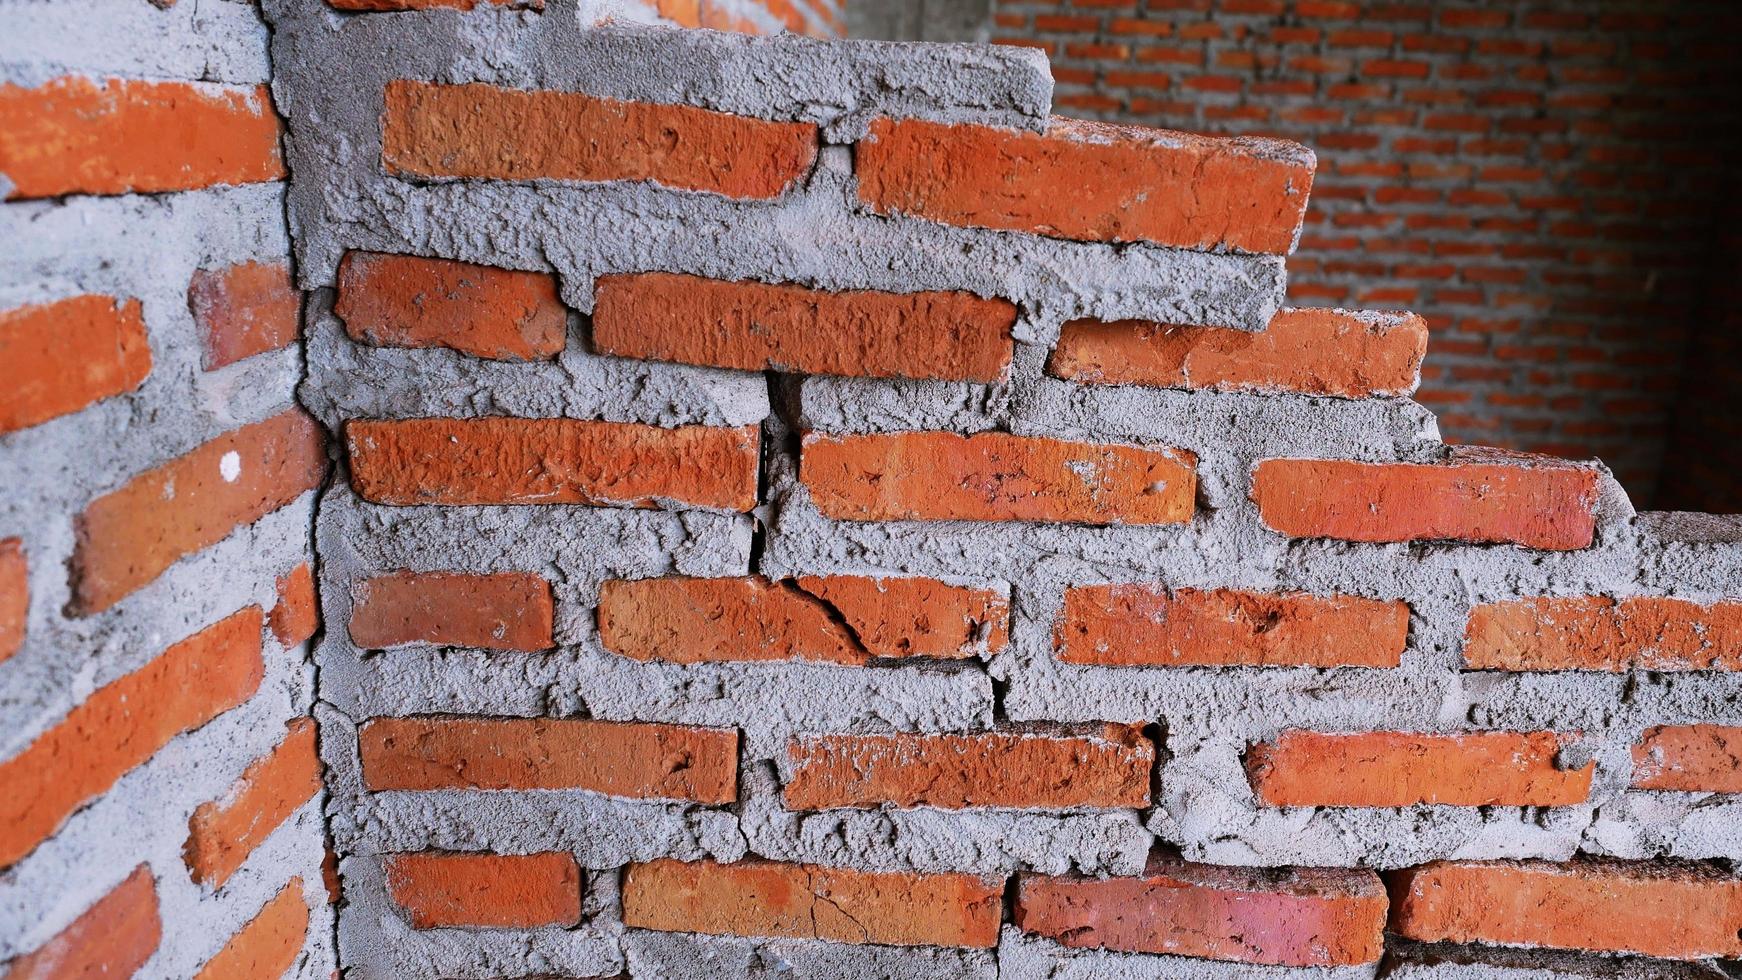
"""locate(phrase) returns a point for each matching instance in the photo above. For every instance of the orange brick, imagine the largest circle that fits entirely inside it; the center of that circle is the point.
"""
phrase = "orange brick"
(122, 725)
(490, 891)
(1110, 767)
(993, 476)
(844, 619)
(1390, 769)
(222, 833)
(803, 901)
(1672, 910)
(243, 310)
(552, 461)
(117, 136)
(14, 596)
(629, 759)
(1689, 758)
(481, 131)
(1282, 917)
(1091, 181)
(1146, 625)
(127, 538)
(503, 611)
(755, 326)
(113, 938)
(1478, 496)
(63, 356)
(409, 301)
(297, 614)
(1310, 351)
(269, 944)
(1600, 633)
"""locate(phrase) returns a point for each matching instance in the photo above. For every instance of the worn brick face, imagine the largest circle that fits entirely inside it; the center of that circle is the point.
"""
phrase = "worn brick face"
(1600, 633)
(992, 476)
(222, 833)
(500, 611)
(113, 938)
(296, 615)
(62, 356)
(1477, 496)
(269, 944)
(117, 136)
(552, 461)
(1672, 910)
(1308, 351)
(487, 891)
(628, 759)
(1689, 758)
(127, 537)
(757, 326)
(14, 596)
(244, 309)
(504, 134)
(122, 725)
(1388, 769)
(1303, 917)
(844, 619)
(1147, 625)
(1110, 767)
(410, 301)
(1091, 181)
(801, 901)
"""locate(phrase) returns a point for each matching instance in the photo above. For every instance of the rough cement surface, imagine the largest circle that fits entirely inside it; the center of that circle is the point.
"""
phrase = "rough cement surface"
(208, 40)
(676, 956)
(1443, 962)
(1025, 957)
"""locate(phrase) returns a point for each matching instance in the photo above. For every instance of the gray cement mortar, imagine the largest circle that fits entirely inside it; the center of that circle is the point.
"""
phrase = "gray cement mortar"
(1438, 962)
(817, 234)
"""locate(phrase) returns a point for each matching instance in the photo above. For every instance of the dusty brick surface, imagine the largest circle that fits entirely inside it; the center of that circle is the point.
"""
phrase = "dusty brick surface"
(1600, 633)
(296, 615)
(105, 339)
(502, 611)
(410, 301)
(628, 759)
(113, 938)
(1689, 758)
(486, 891)
(222, 833)
(244, 309)
(1405, 768)
(14, 596)
(269, 944)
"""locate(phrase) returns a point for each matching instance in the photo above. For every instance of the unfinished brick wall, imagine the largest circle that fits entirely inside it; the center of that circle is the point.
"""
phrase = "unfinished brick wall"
(160, 791)
(806, 512)
(1540, 179)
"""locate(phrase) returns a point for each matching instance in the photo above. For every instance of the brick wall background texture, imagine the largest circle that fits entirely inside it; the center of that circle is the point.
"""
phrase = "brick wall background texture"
(796, 508)
(1542, 180)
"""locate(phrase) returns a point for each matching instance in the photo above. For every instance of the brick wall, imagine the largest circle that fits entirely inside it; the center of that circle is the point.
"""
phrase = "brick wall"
(161, 807)
(1537, 179)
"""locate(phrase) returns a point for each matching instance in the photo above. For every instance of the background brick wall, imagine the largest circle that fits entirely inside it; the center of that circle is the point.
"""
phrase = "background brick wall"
(161, 811)
(1540, 180)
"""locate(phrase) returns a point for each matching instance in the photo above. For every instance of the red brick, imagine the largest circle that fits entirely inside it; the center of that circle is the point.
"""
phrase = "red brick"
(1671, 910)
(754, 326)
(503, 611)
(105, 339)
(117, 136)
(222, 833)
(409, 301)
(843, 619)
(297, 615)
(1689, 759)
(552, 461)
(243, 310)
(802, 901)
(1147, 625)
(1313, 351)
(993, 476)
(113, 938)
(269, 944)
(481, 131)
(490, 891)
(1091, 181)
(127, 537)
(1478, 495)
(1283, 917)
(629, 759)
(122, 725)
(14, 596)
(1391, 769)
(1035, 770)
(1600, 633)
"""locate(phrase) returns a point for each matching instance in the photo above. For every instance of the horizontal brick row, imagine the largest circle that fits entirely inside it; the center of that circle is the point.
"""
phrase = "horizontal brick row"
(1601, 633)
(500, 611)
(103, 335)
(410, 301)
(1390, 769)
(495, 891)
